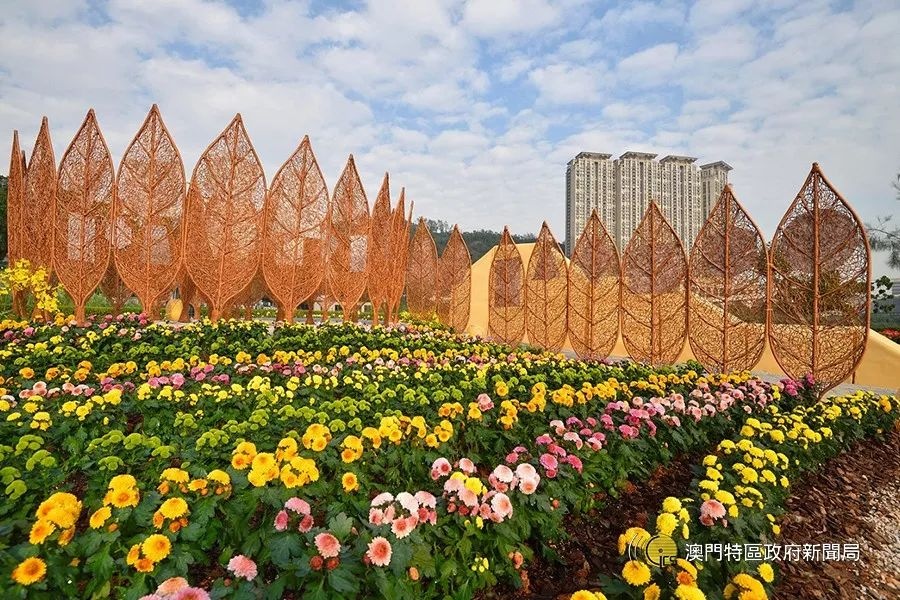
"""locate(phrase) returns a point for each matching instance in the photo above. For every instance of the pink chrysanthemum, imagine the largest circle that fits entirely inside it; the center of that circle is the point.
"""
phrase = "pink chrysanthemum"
(327, 545)
(242, 566)
(379, 552)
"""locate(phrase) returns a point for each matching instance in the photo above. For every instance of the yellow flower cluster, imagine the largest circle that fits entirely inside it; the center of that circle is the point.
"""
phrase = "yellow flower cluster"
(144, 556)
(175, 510)
(673, 516)
(58, 512)
(316, 437)
(745, 587)
(587, 595)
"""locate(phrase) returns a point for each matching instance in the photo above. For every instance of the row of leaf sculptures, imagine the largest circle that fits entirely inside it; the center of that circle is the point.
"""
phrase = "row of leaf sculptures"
(808, 293)
(226, 238)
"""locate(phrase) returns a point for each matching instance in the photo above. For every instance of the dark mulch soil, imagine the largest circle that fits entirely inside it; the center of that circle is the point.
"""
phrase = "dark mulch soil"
(853, 499)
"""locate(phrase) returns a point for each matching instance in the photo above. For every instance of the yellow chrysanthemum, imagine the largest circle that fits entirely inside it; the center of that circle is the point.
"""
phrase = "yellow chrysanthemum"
(687, 592)
(173, 508)
(31, 570)
(666, 523)
(98, 519)
(156, 547)
(636, 573)
(40, 531)
(350, 482)
(671, 504)
(766, 572)
(652, 592)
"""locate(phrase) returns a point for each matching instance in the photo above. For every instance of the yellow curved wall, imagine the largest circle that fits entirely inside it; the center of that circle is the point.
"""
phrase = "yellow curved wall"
(880, 366)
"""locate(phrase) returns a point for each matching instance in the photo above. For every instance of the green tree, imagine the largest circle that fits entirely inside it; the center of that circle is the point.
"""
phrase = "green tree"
(884, 237)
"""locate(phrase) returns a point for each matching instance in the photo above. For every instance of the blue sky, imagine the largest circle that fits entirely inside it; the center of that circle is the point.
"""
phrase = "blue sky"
(475, 107)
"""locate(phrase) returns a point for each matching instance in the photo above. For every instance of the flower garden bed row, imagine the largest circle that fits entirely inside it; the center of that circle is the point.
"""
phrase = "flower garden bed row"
(319, 462)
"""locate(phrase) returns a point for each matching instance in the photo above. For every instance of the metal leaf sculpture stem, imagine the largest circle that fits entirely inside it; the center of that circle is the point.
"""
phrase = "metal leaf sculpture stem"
(506, 293)
(224, 217)
(455, 282)
(595, 281)
(546, 293)
(381, 252)
(293, 259)
(85, 192)
(819, 286)
(39, 206)
(421, 273)
(654, 291)
(728, 276)
(149, 208)
(348, 252)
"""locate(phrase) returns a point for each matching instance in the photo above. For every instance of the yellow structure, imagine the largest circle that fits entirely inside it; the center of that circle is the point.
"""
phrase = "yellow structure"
(880, 366)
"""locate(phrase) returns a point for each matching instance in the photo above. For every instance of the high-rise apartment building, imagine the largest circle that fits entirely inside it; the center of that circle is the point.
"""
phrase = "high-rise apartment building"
(621, 190)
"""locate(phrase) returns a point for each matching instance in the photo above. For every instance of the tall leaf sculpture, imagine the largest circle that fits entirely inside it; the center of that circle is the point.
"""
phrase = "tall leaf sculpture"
(595, 281)
(381, 252)
(421, 273)
(728, 289)
(293, 259)
(15, 199)
(224, 217)
(546, 291)
(247, 298)
(506, 293)
(116, 291)
(149, 206)
(400, 225)
(455, 282)
(85, 190)
(39, 205)
(654, 291)
(348, 251)
(819, 285)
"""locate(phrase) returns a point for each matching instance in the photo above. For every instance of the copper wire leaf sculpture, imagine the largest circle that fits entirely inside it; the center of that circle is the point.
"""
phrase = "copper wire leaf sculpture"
(149, 206)
(728, 289)
(594, 285)
(421, 273)
(455, 282)
(39, 206)
(85, 191)
(224, 217)
(654, 291)
(348, 251)
(506, 293)
(115, 290)
(293, 260)
(546, 293)
(400, 225)
(15, 200)
(381, 251)
(819, 285)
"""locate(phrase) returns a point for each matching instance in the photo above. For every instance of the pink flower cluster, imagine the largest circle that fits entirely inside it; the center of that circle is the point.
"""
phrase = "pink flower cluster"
(711, 511)
(404, 512)
(299, 507)
(492, 504)
(243, 567)
(178, 588)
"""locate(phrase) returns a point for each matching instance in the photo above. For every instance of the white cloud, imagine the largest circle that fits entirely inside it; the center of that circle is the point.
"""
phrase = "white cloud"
(488, 18)
(563, 83)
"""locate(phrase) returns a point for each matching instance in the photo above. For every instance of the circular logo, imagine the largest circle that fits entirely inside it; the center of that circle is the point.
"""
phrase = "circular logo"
(661, 550)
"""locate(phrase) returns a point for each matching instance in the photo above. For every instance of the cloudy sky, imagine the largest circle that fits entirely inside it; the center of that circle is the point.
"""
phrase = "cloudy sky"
(475, 107)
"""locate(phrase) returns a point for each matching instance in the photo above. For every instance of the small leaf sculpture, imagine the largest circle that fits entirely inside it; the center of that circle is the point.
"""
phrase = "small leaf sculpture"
(400, 225)
(39, 205)
(296, 230)
(546, 293)
(149, 207)
(348, 248)
(116, 291)
(85, 190)
(819, 282)
(382, 255)
(728, 289)
(15, 201)
(455, 283)
(506, 293)
(421, 273)
(654, 291)
(594, 285)
(224, 217)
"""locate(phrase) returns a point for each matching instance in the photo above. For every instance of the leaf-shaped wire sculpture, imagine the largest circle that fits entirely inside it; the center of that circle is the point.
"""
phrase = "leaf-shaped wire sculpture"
(595, 280)
(85, 189)
(819, 283)
(348, 251)
(421, 273)
(728, 266)
(115, 290)
(293, 260)
(15, 198)
(546, 291)
(400, 225)
(149, 206)
(506, 293)
(39, 205)
(247, 298)
(455, 282)
(381, 251)
(654, 291)
(224, 217)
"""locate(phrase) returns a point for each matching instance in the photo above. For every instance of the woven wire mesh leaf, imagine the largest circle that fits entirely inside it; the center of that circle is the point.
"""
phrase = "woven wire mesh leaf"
(421, 273)
(546, 292)
(506, 293)
(594, 284)
(247, 298)
(400, 224)
(15, 201)
(654, 291)
(39, 205)
(116, 291)
(819, 285)
(149, 206)
(382, 255)
(224, 217)
(296, 229)
(455, 282)
(85, 191)
(728, 289)
(348, 248)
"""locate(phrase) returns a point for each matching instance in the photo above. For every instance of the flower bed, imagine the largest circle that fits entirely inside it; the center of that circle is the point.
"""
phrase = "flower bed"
(325, 460)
